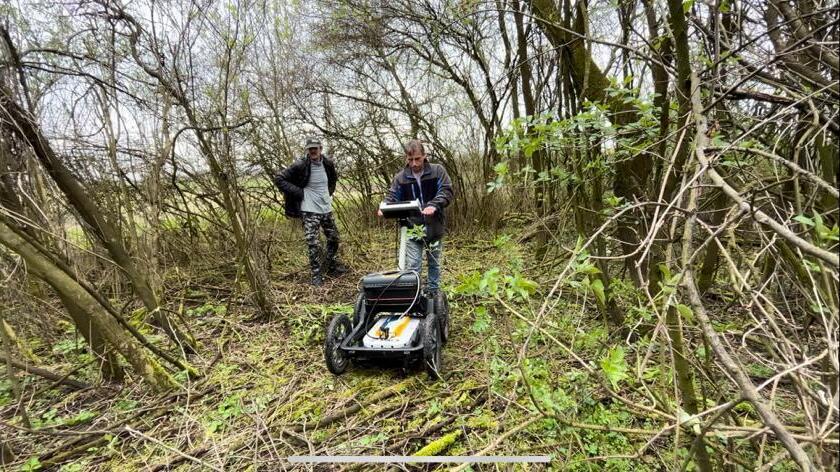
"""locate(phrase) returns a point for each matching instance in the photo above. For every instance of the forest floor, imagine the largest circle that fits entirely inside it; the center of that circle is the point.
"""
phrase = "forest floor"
(266, 394)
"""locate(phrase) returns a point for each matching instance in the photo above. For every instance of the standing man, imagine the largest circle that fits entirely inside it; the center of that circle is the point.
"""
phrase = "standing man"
(430, 184)
(308, 185)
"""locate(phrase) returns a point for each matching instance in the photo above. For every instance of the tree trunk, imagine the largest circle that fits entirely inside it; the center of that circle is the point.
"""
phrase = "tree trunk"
(105, 232)
(109, 367)
(679, 30)
(662, 103)
(685, 380)
(828, 159)
(145, 366)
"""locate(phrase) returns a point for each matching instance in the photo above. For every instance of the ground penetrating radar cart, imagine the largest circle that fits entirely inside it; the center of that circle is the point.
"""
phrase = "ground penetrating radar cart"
(393, 318)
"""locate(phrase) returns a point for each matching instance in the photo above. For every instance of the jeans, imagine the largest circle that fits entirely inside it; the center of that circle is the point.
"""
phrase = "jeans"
(434, 257)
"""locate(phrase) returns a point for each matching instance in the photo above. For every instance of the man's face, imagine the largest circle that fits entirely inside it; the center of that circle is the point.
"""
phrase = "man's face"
(314, 153)
(415, 161)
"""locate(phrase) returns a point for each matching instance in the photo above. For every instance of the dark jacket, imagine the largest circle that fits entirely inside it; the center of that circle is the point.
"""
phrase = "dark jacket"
(435, 190)
(293, 179)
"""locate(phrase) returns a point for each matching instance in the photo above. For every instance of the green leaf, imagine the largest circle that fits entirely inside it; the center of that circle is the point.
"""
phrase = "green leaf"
(469, 284)
(811, 266)
(614, 366)
(685, 312)
(417, 233)
(804, 220)
(531, 146)
(818, 222)
(613, 201)
(689, 420)
(665, 271)
(490, 281)
(214, 426)
(501, 168)
(586, 267)
(482, 320)
(372, 439)
(32, 464)
(598, 289)
(84, 416)
(518, 285)
(831, 235)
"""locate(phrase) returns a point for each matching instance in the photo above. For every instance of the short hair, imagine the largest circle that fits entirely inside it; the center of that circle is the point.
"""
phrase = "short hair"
(413, 146)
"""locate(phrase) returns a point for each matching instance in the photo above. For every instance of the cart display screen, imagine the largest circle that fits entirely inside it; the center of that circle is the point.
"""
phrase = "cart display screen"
(400, 209)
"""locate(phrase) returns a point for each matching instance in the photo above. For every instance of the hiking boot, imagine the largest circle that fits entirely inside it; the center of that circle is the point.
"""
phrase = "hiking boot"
(316, 281)
(337, 269)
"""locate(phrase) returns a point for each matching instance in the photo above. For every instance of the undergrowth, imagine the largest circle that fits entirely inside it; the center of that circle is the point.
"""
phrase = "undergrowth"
(265, 388)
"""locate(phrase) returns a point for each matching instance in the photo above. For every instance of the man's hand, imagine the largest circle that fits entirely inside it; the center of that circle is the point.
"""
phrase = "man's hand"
(379, 213)
(429, 211)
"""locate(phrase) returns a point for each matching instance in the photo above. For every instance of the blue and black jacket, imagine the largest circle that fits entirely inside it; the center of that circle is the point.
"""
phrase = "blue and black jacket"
(435, 190)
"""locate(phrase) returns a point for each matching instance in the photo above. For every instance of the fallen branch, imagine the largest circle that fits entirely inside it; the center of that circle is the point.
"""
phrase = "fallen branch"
(62, 379)
(741, 379)
(293, 433)
(439, 445)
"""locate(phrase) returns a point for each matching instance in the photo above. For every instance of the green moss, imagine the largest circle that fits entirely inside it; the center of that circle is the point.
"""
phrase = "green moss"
(439, 445)
(303, 408)
(415, 424)
(320, 435)
(159, 378)
(482, 421)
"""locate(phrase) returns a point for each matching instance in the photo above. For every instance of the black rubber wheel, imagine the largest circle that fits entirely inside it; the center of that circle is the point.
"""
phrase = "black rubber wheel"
(432, 347)
(338, 329)
(359, 309)
(442, 311)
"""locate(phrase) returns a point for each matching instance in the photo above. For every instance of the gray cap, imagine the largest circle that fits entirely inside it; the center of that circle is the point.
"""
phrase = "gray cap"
(312, 142)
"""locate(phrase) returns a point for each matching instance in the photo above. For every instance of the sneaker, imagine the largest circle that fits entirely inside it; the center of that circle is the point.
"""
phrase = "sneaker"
(316, 281)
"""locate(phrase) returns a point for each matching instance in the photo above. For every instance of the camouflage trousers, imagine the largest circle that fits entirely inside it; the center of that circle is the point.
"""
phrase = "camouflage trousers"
(312, 222)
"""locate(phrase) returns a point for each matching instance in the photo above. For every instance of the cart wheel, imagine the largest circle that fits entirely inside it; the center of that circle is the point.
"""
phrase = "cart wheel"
(442, 310)
(432, 347)
(338, 329)
(359, 309)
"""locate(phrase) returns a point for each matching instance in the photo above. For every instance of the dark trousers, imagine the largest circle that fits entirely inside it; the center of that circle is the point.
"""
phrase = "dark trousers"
(312, 222)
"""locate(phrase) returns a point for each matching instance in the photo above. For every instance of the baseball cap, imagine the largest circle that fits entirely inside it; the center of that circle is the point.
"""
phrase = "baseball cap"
(312, 142)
